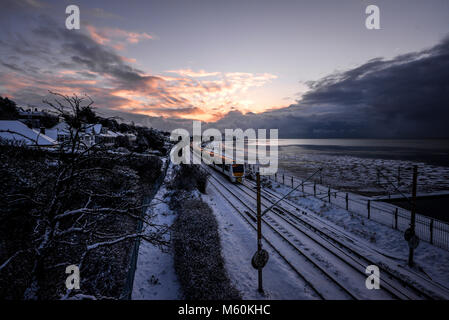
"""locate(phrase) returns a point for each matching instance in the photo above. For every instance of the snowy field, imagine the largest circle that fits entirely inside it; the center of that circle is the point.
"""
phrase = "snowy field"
(359, 174)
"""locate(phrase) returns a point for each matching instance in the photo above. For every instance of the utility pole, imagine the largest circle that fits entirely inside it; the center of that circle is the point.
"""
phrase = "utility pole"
(259, 230)
(260, 258)
(413, 213)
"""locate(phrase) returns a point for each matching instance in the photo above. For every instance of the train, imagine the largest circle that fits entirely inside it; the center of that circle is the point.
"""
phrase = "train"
(234, 171)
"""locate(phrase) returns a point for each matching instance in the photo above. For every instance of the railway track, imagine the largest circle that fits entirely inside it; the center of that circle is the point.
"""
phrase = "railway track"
(417, 286)
(304, 275)
(290, 229)
(305, 263)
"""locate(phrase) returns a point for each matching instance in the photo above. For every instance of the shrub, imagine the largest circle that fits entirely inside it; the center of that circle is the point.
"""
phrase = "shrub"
(190, 177)
(198, 261)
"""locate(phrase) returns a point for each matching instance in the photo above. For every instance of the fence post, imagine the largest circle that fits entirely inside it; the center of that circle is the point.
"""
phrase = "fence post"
(431, 231)
(283, 179)
(347, 204)
(413, 213)
(276, 177)
(369, 209)
(314, 189)
(303, 186)
(329, 194)
(396, 218)
(292, 182)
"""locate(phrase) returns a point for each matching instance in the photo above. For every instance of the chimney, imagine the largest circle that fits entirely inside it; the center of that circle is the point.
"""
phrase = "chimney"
(42, 130)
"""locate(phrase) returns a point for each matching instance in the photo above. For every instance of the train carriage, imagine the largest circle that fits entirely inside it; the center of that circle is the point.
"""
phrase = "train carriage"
(234, 171)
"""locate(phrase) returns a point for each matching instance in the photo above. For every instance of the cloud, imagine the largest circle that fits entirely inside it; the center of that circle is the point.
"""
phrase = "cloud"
(47, 56)
(115, 37)
(404, 97)
(32, 3)
(193, 74)
(103, 14)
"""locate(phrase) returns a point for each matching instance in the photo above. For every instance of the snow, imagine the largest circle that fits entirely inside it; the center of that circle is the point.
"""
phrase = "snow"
(433, 261)
(62, 128)
(238, 242)
(360, 174)
(418, 195)
(380, 244)
(381, 212)
(155, 277)
(24, 134)
(96, 128)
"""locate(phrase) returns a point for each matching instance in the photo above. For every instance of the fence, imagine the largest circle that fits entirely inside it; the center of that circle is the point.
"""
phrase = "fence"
(428, 229)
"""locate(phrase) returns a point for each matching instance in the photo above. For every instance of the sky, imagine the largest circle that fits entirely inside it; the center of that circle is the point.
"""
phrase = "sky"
(309, 68)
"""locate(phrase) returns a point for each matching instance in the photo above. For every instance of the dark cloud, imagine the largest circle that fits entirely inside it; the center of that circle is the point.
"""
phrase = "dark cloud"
(50, 46)
(84, 52)
(12, 66)
(406, 97)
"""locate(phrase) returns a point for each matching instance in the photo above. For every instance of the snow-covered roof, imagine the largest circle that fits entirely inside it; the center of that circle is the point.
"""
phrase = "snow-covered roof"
(20, 132)
(91, 129)
(115, 134)
(32, 113)
(60, 128)
(94, 128)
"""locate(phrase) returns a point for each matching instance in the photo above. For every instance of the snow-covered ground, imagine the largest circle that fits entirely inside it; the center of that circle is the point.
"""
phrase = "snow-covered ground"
(155, 277)
(381, 212)
(431, 260)
(238, 242)
(359, 174)
(380, 244)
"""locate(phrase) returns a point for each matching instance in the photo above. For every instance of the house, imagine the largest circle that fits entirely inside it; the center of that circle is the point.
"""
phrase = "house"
(35, 118)
(15, 130)
(61, 133)
(131, 136)
(90, 134)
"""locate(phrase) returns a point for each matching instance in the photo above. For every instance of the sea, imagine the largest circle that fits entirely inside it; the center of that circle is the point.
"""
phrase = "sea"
(354, 164)
(431, 151)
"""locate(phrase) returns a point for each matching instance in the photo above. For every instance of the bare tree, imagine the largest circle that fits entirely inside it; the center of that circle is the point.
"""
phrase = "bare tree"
(83, 204)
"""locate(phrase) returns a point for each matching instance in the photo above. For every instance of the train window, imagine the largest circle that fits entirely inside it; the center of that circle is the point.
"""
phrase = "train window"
(227, 167)
(237, 168)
